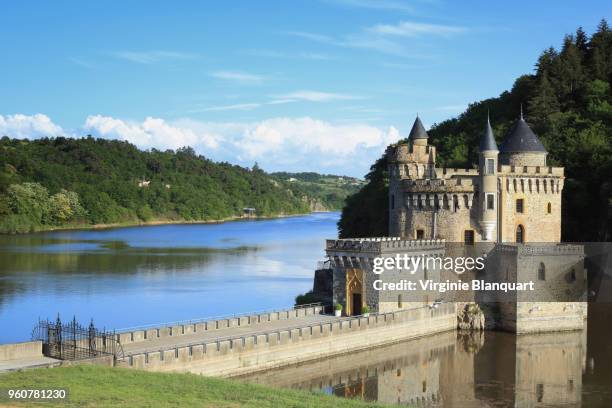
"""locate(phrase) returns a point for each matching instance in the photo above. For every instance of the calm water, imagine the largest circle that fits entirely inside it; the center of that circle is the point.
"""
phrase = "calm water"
(126, 277)
(143, 275)
(450, 369)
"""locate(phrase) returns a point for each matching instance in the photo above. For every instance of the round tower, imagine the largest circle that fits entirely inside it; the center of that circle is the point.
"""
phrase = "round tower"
(521, 147)
(487, 166)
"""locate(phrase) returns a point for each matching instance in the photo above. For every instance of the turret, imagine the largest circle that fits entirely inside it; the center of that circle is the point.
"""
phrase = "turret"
(488, 165)
(521, 147)
(418, 136)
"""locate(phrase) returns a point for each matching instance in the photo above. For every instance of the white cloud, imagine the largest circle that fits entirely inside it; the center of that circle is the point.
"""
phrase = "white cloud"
(29, 126)
(283, 143)
(383, 38)
(151, 57)
(240, 77)
(413, 29)
(316, 96)
(152, 132)
(310, 140)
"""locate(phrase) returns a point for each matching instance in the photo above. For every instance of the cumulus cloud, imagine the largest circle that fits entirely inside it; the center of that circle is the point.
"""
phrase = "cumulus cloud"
(29, 126)
(283, 143)
(292, 144)
(152, 132)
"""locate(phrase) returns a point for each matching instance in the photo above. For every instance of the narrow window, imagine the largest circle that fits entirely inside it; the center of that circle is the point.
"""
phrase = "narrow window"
(420, 234)
(541, 272)
(519, 205)
(424, 386)
(392, 201)
(520, 234)
(540, 392)
(572, 276)
(549, 208)
(468, 237)
(490, 201)
(490, 166)
(400, 303)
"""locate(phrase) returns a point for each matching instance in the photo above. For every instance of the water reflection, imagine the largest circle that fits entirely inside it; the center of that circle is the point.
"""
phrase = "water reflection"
(143, 275)
(451, 370)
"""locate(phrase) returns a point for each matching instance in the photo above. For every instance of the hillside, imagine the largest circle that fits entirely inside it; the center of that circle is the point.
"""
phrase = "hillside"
(63, 182)
(331, 191)
(567, 102)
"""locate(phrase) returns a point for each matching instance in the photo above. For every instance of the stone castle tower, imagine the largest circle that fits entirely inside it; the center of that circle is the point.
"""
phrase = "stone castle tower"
(512, 196)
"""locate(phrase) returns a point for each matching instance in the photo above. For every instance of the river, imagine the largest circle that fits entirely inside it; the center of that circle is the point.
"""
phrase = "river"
(133, 276)
(125, 277)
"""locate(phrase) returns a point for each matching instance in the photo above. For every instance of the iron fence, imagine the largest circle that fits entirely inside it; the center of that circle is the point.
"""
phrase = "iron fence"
(73, 341)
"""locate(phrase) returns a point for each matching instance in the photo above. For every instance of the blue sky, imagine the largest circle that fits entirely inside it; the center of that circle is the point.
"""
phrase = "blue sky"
(319, 85)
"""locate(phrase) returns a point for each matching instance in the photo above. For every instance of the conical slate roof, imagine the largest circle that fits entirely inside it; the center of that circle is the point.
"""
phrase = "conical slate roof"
(521, 138)
(487, 140)
(418, 130)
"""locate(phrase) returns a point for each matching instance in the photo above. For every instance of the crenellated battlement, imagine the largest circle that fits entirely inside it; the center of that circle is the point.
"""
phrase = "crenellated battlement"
(410, 153)
(538, 171)
(447, 172)
(452, 185)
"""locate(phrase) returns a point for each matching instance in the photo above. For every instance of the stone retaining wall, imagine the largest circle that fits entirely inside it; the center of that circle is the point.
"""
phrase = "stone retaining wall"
(15, 351)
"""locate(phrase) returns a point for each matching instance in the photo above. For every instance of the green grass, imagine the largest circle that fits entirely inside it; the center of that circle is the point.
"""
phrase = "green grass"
(91, 386)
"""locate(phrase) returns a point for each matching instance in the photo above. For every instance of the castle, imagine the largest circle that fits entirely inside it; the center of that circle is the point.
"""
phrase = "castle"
(512, 196)
(507, 210)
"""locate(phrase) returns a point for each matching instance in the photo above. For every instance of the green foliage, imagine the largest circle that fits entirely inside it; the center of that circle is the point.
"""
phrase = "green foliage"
(366, 213)
(48, 183)
(28, 207)
(569, 105)
(329, 191)
(306, 298)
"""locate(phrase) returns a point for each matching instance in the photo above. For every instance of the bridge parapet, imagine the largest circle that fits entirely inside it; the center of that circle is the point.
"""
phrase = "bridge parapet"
(186, 327)
(253, 351)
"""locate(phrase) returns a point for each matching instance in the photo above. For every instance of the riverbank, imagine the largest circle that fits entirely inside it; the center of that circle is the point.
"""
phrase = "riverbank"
(140, 223)
(93, 386)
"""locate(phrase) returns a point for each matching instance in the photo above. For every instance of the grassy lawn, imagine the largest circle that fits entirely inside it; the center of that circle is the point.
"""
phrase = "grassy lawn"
(90, 386)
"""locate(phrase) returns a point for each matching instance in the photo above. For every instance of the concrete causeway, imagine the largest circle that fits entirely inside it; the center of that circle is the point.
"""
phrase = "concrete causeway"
(170, 342)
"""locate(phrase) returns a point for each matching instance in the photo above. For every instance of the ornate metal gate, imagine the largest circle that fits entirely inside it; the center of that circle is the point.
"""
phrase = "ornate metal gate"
(72, 341)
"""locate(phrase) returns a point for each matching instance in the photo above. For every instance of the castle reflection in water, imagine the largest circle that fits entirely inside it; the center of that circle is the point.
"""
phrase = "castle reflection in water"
(451, 370)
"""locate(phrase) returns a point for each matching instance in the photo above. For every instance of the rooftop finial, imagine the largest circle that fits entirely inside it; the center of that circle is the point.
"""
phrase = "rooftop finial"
(488, 117)
(522, 111)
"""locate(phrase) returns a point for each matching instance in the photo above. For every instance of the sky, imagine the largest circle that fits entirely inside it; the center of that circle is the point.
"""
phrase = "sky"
(317, 85)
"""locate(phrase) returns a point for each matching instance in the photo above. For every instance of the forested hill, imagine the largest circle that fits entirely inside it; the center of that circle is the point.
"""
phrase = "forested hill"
(330, 190)
(61, 181)
(567, 102)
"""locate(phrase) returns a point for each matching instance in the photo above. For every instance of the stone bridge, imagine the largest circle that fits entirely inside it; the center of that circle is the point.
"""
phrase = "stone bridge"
(249, 343)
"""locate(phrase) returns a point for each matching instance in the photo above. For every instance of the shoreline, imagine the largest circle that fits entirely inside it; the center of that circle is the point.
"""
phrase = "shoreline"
(130, 224)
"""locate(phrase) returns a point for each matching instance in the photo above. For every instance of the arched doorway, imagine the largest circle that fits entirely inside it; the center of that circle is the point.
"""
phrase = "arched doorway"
(520, 234)
(354, 292)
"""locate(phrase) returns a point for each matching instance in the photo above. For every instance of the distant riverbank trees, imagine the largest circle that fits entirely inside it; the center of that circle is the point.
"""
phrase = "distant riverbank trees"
(567, 101)
(55, 182)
